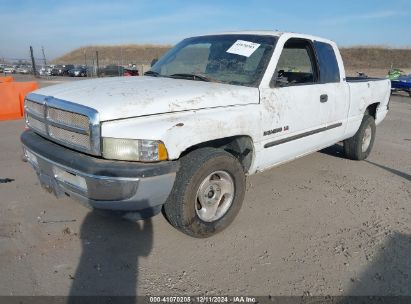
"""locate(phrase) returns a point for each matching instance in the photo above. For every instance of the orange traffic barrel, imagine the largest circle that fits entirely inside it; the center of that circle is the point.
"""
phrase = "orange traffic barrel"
(12, 96)
(6, 79)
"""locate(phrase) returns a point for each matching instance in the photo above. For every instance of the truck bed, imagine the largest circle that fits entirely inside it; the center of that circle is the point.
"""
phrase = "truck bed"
(364, 91)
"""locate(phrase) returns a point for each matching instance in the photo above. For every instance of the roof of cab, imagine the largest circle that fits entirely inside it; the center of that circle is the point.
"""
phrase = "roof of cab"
(270, 33)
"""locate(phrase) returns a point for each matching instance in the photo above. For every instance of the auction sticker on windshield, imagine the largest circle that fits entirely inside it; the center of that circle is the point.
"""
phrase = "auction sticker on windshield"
(243, 48)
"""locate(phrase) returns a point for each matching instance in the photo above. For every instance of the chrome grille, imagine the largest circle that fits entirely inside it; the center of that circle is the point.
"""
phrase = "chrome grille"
(36, 124)
(70, 137)
(36, 108)
(68, 118)
(64, 122)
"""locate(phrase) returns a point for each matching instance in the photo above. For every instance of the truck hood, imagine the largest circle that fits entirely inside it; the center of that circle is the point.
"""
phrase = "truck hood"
(123, 97)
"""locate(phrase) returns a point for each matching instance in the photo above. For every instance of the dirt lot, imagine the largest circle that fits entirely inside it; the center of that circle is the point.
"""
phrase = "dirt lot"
(321, 225)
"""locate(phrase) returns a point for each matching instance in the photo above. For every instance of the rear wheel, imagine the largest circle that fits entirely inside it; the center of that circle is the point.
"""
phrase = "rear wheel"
(207, 194)
(360, 145)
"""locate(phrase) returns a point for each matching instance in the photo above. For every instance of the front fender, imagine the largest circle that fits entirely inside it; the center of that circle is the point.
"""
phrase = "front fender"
(182, 130)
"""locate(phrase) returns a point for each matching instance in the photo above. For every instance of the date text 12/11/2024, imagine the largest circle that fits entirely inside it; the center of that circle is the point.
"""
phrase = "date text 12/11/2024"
(201, 299)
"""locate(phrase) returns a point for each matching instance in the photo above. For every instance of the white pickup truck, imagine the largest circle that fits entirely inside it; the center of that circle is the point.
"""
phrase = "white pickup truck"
(212, 110)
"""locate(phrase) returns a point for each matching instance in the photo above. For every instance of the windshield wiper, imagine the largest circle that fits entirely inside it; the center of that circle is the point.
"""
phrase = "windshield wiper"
(152, 73)
(191, 76)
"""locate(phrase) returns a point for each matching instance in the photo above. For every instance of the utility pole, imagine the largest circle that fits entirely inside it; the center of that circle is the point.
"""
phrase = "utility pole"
(121, 58)
(33, 62)
(44, 56)
(98, 72)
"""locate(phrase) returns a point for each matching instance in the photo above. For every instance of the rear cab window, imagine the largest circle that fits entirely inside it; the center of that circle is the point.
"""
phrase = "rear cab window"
(329, 70)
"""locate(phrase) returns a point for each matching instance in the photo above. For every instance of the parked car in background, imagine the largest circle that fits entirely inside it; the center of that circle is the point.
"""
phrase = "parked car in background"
(57, 70)
(131, 72)
(67, 68)
(111, 70)
(80, 71)
(117, 70)
(9, 70)
(61, 70)
(44, 70)
(401, 83)
(24, 69)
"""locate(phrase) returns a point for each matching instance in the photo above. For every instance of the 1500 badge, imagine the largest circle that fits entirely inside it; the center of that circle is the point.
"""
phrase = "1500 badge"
(276, 130)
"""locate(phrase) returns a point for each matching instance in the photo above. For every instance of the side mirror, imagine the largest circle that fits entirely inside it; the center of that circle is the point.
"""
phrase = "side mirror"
(280, 82)
(154, 61)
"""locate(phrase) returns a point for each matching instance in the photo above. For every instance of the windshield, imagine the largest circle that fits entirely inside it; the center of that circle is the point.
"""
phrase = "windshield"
(232, 59)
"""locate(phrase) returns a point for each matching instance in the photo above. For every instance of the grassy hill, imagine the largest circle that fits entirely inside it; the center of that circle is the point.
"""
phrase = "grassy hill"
(371, 59)
(376, 57)
(114, 54)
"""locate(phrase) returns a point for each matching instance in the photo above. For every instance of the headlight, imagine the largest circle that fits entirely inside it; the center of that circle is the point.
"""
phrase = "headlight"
(134, 149)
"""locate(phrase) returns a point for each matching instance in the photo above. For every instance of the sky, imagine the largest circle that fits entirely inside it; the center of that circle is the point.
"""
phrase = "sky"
(63, 25)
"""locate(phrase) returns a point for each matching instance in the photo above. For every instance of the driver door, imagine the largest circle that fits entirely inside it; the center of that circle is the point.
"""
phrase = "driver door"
(292, 119)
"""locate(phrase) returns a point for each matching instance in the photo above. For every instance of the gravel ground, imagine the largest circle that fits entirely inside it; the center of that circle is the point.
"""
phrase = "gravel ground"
(320, 225)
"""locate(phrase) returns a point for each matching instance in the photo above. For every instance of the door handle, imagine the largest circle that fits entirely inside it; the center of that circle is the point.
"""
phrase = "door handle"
(324, 98)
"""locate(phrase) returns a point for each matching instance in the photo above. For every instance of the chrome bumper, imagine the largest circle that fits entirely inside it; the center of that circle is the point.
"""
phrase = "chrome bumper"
(101, 191)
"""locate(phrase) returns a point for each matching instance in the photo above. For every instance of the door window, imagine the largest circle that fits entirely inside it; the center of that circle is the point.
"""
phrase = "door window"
(297, 65)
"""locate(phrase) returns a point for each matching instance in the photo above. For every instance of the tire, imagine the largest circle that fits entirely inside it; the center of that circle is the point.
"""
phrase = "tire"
(360, 145)
(409, 93)
(204, 175)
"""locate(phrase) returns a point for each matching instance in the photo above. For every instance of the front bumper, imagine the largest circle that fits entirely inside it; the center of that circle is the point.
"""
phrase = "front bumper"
(100, 183)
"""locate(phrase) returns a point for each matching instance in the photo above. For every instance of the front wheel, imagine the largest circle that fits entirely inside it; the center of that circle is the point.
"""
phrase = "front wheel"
(360, 145)
(207, 194)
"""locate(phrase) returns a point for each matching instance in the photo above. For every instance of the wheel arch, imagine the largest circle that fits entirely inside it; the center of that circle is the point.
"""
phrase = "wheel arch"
(240, 146)
(372, 109)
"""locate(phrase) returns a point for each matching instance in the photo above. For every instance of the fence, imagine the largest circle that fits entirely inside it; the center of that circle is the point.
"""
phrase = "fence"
(96, 66)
